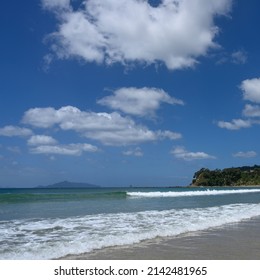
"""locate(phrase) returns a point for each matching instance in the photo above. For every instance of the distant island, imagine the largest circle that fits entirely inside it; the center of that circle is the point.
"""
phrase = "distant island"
(235, 176)
(67, 184)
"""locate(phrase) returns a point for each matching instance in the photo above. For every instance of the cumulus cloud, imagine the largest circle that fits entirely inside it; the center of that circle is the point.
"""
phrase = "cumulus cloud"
(122, 136)
(251, 92)
(182, 153)
(249, 154)
(70, 150)
(11, 131)
(176, 32)
(110, 129)
(43, 144)
(168, 134)
(138, 101)
(40, 117)
(251, 111)
(235, 124)
(36, 140)
(251, 89)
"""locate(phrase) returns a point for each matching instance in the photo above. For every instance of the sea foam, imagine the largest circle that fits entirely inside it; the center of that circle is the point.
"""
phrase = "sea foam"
(56, 237)
(189, 193)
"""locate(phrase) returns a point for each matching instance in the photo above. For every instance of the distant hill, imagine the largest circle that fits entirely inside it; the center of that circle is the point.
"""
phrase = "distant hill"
(235, 176)
(67, 184)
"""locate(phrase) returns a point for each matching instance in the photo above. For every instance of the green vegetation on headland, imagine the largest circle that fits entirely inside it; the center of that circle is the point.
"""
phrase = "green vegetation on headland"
(235, 176)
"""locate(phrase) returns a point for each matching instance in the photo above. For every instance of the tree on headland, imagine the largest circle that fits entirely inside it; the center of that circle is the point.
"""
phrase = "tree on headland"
(235, 176)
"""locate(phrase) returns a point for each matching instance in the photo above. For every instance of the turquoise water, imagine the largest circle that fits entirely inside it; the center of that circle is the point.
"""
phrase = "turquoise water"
(51, 223)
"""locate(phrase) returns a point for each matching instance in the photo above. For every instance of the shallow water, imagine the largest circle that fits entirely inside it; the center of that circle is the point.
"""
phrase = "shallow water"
(236, 241)
(52, 223)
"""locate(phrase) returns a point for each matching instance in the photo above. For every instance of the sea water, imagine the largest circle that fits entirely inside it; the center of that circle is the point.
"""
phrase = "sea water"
(52, 223)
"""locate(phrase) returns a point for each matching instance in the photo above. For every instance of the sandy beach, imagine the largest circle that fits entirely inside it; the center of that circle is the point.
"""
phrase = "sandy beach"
(238, 241)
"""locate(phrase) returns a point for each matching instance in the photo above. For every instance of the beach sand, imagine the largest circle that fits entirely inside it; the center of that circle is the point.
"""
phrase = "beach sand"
(238, 241)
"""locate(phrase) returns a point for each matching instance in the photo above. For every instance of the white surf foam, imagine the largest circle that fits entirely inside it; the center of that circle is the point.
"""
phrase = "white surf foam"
(189, 193)
(53, 238)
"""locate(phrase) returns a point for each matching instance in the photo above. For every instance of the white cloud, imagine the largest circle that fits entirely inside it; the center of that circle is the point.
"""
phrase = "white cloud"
(110, 129)
(251, 92)
(251, 110)
(36, 140)
(138, 101)
(251, 89)
(70, 150)
(122, 136)
(168, 134)
(175, 32)
(182, 153)
(249, 154)
(235, 124)
(11, 131)
(137, 152)
(41, 117)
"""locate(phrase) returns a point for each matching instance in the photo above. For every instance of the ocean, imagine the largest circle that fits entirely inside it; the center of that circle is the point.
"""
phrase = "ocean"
(52, 223)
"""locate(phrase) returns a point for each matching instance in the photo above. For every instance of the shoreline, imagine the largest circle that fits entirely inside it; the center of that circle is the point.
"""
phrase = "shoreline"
(236, 241)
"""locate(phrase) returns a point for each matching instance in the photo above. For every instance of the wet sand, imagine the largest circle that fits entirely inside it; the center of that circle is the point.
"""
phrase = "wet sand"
(238, 241)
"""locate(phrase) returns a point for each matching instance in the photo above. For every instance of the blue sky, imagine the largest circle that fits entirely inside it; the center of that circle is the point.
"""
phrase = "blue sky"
(128, 92)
